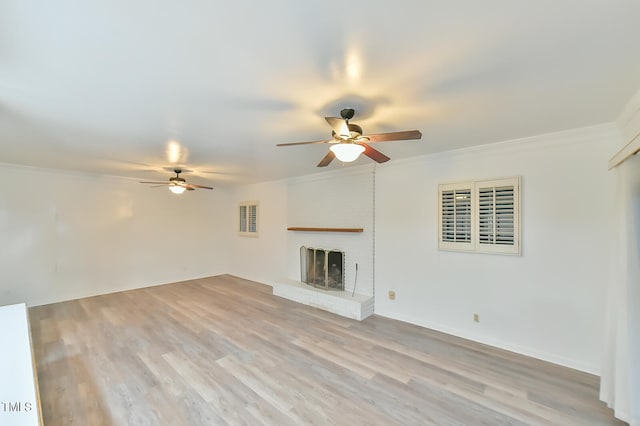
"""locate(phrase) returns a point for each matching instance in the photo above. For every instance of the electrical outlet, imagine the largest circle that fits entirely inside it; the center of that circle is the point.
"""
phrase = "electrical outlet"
(476, 317)
(392, 295)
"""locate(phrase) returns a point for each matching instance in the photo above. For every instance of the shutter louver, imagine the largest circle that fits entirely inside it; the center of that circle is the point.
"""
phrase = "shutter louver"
(456, 216)
(243, 218)
(253, 218)
(496, 212)
(448, 216)
(486, 211)
(505, 212)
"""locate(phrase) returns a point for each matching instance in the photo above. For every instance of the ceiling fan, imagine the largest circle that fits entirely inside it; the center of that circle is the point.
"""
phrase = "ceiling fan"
(348, 141)
(178, 185)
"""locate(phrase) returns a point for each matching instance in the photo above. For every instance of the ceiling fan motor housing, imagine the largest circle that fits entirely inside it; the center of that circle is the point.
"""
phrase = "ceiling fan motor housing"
(177, 180)
(355, 132)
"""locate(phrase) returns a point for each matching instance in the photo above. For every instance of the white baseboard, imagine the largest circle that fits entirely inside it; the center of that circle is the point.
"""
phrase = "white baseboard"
(497, 343)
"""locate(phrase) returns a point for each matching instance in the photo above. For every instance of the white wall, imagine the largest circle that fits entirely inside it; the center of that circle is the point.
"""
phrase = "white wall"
(261, 258)
(546, 303)
(629, 120)
(69, 235)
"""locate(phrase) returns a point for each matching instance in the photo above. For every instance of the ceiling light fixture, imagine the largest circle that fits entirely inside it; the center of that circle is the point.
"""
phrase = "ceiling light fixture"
(177, 189)
(347, 152)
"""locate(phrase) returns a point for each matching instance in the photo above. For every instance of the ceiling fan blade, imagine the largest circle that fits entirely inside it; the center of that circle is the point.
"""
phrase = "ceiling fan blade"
(301, 143)
(374, 154)
(395, 136)
(192, 186)
(339, 126)
(157, 183)
(327, 159)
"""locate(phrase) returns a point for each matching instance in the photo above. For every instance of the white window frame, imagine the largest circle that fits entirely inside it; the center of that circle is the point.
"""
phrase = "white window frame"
(244, 228)
(478, 244)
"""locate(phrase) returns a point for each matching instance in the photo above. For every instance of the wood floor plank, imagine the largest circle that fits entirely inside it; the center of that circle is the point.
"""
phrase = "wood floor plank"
(225, 351)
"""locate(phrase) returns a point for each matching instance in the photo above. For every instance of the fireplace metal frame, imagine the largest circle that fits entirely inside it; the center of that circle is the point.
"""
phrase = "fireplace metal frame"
(312, 280)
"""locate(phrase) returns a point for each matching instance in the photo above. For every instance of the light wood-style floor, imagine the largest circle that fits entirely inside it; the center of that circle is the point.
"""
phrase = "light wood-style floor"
(223, 350)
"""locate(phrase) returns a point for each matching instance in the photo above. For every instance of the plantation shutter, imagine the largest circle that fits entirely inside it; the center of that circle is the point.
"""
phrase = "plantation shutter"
(498, 216)
(248, 223)
(482, 216)
(456, 216)
(243, 218)
(253, 218)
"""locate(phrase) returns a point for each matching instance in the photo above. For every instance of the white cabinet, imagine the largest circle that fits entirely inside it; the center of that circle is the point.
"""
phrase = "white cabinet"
(19, 402)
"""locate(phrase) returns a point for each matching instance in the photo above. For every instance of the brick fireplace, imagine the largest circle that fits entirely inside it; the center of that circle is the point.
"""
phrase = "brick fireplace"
(322, 285)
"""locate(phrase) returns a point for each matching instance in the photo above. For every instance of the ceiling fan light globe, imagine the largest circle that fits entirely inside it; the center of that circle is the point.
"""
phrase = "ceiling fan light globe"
(176, 189)
(347, 152)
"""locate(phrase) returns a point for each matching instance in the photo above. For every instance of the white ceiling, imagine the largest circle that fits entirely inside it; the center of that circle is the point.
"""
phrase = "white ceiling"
(105, 86)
